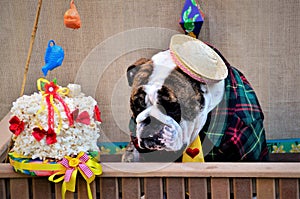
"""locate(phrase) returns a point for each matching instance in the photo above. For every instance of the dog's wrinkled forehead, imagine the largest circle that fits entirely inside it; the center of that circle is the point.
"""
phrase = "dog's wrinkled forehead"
(148, 82)
(162, 68)
(151, 73)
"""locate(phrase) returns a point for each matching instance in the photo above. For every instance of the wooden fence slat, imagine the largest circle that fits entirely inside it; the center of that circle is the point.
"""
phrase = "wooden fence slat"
(265, 188)
(57, 190)
(175, 187)
(153, 188)
(197, 188)
(58, 195)
(131, 188)
(289, 188)
(109, 188)
(242, 188)
(41, 188)
(220, 188)
(2, 189)
(82, 188)
(93, 186)
(19, 188)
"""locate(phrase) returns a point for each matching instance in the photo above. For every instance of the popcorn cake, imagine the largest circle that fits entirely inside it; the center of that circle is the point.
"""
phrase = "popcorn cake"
(55, 126)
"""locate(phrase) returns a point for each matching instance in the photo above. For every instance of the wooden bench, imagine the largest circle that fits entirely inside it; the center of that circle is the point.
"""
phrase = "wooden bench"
(166, 180)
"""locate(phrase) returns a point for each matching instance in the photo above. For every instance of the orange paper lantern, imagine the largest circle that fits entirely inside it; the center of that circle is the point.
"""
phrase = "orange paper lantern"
(71, 17)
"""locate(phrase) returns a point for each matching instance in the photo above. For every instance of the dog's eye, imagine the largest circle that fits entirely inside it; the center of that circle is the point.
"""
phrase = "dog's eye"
(137, 102)
(168, 101)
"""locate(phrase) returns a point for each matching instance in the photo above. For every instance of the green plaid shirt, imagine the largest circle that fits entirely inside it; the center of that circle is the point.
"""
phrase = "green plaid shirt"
(234, 128)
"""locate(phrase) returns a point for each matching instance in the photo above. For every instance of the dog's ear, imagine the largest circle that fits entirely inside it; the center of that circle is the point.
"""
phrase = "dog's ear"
(134, 68)
(131, 72)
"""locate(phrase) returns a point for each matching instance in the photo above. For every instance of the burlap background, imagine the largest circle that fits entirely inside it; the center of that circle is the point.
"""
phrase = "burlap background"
(261, 38)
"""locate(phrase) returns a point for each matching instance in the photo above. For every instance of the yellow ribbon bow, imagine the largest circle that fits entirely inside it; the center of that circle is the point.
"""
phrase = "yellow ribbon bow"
(86, 166)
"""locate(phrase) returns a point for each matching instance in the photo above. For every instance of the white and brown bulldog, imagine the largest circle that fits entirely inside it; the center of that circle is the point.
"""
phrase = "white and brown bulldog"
(170, 107)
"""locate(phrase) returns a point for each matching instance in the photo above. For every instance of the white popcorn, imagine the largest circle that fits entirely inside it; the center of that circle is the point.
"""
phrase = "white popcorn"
(74, 90)
(70, 140)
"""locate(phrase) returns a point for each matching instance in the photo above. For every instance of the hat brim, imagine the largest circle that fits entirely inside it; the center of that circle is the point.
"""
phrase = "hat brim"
(197, 59)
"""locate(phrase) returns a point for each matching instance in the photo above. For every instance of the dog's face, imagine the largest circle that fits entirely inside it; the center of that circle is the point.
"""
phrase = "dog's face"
(169, 107)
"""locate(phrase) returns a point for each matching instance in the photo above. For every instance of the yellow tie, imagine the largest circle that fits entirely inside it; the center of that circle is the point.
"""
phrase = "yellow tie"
(194, 152)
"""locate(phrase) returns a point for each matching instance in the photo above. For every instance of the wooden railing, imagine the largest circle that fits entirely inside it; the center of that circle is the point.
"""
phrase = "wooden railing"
(162, 180)
(166, 180)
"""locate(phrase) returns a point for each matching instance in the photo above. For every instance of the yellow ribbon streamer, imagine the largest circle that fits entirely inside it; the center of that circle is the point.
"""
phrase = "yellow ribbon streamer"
(195, 145)
(58, 114)
(32, 166)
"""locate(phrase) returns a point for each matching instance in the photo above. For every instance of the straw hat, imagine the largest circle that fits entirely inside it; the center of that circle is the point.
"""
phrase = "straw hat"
(197, 59)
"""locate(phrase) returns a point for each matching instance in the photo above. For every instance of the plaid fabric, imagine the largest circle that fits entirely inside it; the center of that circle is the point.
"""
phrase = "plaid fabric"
(234, 129)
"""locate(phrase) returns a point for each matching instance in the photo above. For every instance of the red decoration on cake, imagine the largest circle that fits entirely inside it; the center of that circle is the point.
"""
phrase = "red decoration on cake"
(16, 125)
(82, 117)
(97, 114)
(51, 88)
(51, 92)
(39, 134)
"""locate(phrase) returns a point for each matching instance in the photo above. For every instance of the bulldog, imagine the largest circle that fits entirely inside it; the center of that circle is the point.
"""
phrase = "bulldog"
(170, 109)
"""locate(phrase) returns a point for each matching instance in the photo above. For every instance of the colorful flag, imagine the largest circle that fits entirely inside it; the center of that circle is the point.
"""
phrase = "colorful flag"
(192, 18)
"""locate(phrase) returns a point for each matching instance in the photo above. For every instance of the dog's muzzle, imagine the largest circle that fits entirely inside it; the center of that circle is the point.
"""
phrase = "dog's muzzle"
(157, 131)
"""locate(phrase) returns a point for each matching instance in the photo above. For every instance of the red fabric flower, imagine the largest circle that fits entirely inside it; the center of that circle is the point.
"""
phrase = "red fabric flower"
(51, 137)
(39, 134)
(51, 88)
(82, 117)
(16, 125)
(97, 114)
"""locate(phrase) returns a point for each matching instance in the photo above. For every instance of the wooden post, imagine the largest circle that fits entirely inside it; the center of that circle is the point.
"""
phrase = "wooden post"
(33, 33)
